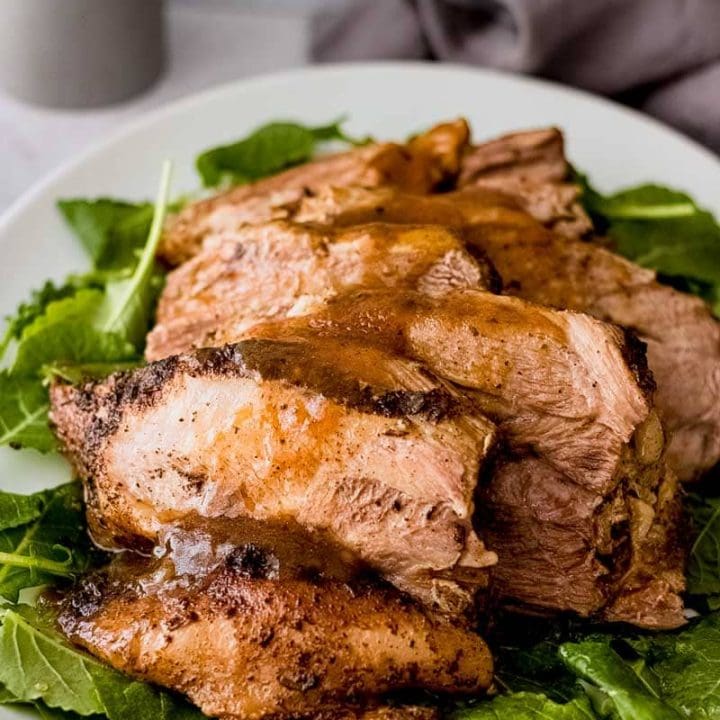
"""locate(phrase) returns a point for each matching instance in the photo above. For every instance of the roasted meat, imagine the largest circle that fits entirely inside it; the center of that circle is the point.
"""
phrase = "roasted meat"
(528, 169)
(426, 162)
(243, 643)
(682, 336)
(282, 268)
(571, 396)
(683, 339)
(367, 449)
(531, 167)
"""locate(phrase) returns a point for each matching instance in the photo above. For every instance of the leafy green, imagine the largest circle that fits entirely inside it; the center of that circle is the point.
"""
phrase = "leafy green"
(127, 303)
(65, 334)
(687, 667)
(46, 713)
(53, 543)
(6, 696)
(266, 151)
(98, 320)
(36, 663)
(703, 573)
(112, 231)
(18, 510)
(24, 407)
(75, 374)
(626, 686)
(664, 230)
(33, 308)
(638, 676)
(535, 668)
(526, 706)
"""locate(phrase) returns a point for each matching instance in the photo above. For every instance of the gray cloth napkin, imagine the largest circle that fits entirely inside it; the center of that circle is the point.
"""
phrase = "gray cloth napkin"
(660, 55)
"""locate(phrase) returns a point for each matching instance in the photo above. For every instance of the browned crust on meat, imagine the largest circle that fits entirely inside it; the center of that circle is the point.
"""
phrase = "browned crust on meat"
(430, 160)
(101, 405)
(299, 647)
(634, 352)
(531, 167)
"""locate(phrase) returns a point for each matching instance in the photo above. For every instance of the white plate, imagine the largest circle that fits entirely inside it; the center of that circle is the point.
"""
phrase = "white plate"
(616, 146)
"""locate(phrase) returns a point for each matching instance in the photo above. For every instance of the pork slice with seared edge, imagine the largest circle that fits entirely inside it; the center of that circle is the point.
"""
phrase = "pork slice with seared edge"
(682, 336)
(424, 163)
(245, 641)
(369, 450)
(531, 167)
(280, 268)
(582, 490)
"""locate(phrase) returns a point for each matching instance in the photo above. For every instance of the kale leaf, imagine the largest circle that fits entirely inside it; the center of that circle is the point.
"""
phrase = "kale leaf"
(266, 151)
(664, 230)
(101, 322)
(112, 231)
(703, 573)
(526, 706)
(52, 542)
(686, 665)
(24, 406)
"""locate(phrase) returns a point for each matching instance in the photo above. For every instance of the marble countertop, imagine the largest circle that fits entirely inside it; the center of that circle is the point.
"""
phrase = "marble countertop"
(209, 42)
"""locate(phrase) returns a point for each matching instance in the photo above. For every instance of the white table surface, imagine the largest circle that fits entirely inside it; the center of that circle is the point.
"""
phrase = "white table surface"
(210, 42)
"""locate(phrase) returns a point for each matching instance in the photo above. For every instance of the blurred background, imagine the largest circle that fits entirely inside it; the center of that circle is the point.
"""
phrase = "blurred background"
(73, 70)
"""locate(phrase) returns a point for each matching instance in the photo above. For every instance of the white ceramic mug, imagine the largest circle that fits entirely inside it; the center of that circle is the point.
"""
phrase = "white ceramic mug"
(80, 53)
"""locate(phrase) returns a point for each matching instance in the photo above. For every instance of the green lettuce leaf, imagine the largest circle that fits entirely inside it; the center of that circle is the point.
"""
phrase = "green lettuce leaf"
(266, 151)
(16, 510)
(24, 407)
(112, 232)
(686, 665)
(664, 230)
(33, 308)
(52, 544)
(703, 573)
(36, 663)
(101, 322)
(626, 686)
(526, 706)
(127, 304)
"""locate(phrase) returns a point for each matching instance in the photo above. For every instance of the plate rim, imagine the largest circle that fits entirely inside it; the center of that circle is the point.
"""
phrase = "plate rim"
(151, 117)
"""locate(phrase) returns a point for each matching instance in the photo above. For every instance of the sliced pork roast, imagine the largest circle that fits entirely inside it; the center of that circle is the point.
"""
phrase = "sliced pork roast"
(423, 164)
(245, 643)
(281, 268)
(531, 167)
(581, 508)
(528, 169)
(682, 336)
(345, 440)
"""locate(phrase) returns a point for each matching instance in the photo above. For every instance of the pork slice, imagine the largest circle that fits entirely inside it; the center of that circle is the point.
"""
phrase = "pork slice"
(369, 450)
(569, 387)
(283, 268)
(571, 396)
(682, 336)
(531, 167)
(616, 556)
(243, 644)
(354, 205)
(426, 162)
